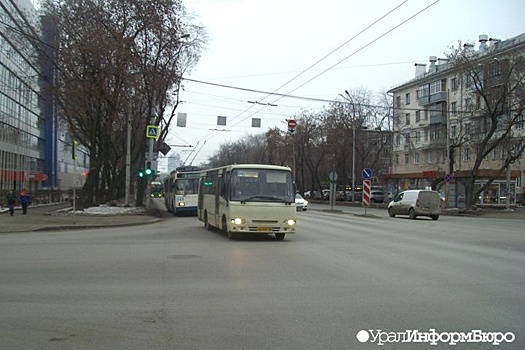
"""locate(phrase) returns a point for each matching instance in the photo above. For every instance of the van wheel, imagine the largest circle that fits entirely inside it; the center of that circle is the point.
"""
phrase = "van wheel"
(412, 214)
(435, 217)
(279, 236)
(391, 212)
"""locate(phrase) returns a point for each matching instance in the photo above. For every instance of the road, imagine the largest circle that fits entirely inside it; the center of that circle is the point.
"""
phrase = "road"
(174, 285)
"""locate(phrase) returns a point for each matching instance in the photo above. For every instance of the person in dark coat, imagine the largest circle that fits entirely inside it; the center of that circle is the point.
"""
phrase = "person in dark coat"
(24, 200)
(11, 201)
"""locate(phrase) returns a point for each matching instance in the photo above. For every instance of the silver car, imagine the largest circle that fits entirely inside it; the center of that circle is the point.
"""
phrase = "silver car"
(377, 196)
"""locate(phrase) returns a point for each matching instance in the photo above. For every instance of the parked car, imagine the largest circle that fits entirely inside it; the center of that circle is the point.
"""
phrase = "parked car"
(300, 202)
(377, 196)
(416, 203)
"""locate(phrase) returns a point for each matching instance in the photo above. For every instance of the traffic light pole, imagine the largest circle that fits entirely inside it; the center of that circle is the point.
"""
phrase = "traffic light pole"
(148, 178)
(128, 162)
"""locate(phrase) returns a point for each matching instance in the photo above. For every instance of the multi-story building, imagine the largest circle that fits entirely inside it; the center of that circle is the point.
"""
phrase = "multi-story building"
(440, 120)
(35, 150)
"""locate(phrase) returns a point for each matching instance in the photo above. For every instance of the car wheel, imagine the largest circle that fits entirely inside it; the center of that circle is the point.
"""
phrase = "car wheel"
(435, 217)
(412, 214)
(279, 236)
(391, 212)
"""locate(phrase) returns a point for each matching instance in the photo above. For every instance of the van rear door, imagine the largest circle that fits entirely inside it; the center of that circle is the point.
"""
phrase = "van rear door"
(429, 202)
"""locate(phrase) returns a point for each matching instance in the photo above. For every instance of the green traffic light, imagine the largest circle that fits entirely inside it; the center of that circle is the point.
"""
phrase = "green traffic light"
(141, 173)
(148, 172)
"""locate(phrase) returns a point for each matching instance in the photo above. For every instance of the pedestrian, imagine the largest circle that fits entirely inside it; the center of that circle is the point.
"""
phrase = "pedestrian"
(11, 201)
(24, 200)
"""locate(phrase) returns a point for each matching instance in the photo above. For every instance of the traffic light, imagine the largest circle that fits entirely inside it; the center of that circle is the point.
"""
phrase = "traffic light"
(148, 171)
(141, 173)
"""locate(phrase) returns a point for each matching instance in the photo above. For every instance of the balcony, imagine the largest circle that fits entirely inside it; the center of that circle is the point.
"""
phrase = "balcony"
(437, 117)
(433, 98)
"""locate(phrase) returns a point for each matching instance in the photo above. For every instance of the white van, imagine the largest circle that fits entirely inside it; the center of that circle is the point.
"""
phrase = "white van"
(416, 203)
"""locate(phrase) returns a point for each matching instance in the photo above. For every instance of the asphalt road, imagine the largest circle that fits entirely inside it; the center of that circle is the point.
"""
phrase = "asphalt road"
(174, 285)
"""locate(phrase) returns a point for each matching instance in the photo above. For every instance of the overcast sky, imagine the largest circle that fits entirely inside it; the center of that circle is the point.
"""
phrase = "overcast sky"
(274, 45)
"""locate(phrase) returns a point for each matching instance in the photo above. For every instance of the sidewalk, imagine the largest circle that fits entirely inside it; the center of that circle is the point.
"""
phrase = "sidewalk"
(54, 217)
(376, 210)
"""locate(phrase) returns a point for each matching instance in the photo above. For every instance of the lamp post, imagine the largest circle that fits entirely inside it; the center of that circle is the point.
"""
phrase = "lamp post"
(353, 145)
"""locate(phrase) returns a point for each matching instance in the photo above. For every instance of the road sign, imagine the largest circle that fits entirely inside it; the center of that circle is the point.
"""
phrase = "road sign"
(367, 185)
(448, 178)
(332, 176)
(292, 123)
(152, 131)
(367, 173)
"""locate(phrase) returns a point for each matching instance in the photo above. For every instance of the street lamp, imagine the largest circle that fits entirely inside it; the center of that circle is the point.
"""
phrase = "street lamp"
(353, 145)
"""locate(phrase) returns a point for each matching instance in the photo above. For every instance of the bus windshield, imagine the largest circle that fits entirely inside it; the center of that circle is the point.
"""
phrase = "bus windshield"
(261, 185)
(187, 186)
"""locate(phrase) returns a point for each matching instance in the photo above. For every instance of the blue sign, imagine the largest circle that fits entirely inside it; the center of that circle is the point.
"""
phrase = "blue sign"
(152, 131)
(367, 173)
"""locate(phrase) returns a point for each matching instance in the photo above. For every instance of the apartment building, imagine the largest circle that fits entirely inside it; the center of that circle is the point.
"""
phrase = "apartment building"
(440, 123)
(35, 148)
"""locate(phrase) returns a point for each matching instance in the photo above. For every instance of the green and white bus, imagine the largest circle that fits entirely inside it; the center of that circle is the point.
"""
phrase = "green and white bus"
(247, 199)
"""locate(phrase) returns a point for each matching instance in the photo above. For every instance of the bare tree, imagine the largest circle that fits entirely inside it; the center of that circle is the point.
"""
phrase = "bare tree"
(492, 118)
(117, 61)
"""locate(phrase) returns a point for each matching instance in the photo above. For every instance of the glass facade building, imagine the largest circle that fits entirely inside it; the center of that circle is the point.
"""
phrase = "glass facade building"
(35, 148)
(22, 141)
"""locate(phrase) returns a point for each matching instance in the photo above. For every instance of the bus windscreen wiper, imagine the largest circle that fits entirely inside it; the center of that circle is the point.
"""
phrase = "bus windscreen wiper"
(271, 198)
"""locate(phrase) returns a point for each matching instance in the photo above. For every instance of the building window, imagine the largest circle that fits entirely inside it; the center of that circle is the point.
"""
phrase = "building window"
(407, 98)
(407, 158)
(468, 128)
(466, 154)
(416, 158)
(398, 140)
(418, 136)
(453, 131)
(454, 84)
(398, 101)
(430, 158)
(426, 135)
(468, 104)
(397, 159)
(454, 108)
(520, 122)
(418, 116)
(407, 119)
(494, 69)
(422, 91)
(435, 87)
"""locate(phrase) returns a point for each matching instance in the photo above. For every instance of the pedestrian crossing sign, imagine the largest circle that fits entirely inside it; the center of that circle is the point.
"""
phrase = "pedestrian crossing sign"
(152, 131)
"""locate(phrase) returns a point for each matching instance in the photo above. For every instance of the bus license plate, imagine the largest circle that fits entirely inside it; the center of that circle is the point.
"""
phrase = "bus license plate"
(264, 229)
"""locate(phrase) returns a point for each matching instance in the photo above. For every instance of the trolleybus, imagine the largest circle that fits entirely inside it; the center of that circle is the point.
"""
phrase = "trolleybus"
(248, 198)
(181, 189)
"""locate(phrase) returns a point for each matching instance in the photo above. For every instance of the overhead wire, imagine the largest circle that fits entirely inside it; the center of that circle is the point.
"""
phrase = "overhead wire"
(209, 136)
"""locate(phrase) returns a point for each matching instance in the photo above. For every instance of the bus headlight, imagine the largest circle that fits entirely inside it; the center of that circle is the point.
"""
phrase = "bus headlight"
(291, 222)
(181, 204)
(237, 221)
